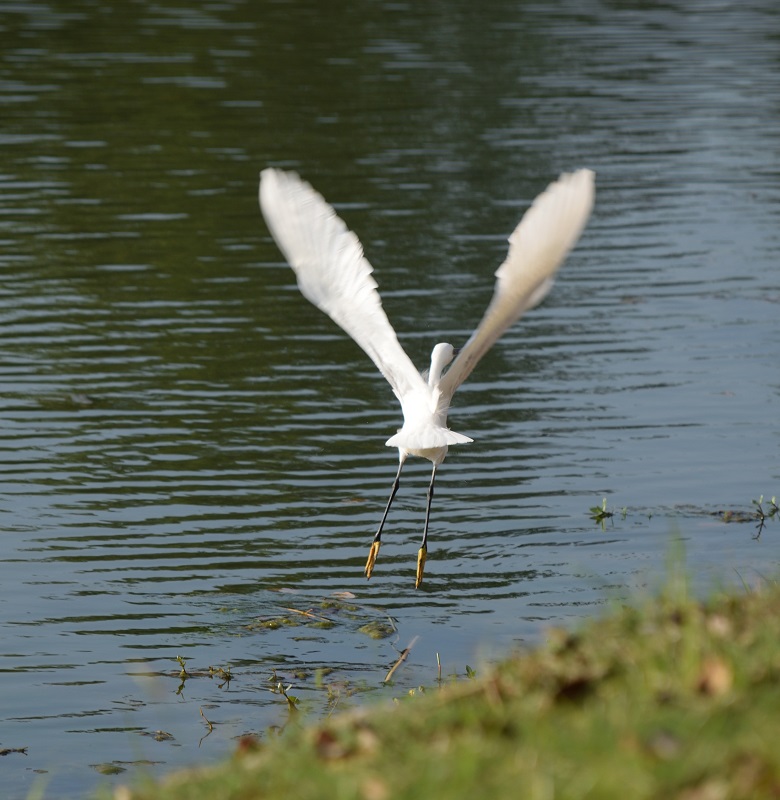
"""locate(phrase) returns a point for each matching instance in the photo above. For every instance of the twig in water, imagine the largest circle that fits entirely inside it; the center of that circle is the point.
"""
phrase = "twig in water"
(308, 613)
(211, 726)
(401, 659)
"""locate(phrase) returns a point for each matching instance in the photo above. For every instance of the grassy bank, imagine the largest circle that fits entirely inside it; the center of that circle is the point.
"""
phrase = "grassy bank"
(671, 699)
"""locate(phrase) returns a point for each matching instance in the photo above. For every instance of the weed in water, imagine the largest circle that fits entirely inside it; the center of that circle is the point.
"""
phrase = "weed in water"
(600, 514)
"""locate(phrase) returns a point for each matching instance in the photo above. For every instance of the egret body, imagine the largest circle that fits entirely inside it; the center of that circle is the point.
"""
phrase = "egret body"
(335, 276)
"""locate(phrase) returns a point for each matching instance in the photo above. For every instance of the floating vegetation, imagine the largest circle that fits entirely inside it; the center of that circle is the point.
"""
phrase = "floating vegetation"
(329, 612)
(159, 736)
(109, 769)
(6, 751)
(321, 674)
(307, 688)
(118, 767)
(377, 629)
(223, 673)
(760, 514)
(599, 513)
(340, 605)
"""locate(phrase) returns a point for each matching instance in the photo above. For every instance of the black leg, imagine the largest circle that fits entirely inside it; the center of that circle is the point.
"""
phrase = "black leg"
(378, 535)
(423, 551)
(396, 483)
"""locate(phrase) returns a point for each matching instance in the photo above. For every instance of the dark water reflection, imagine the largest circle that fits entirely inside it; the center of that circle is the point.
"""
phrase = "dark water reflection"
(188, 447)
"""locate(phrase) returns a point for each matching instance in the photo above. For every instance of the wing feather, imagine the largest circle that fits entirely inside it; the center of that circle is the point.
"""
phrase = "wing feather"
(537, 247)
(332, 271)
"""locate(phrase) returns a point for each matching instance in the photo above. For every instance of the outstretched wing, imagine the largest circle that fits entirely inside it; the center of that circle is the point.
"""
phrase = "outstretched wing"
(332, 271)
(537, 247)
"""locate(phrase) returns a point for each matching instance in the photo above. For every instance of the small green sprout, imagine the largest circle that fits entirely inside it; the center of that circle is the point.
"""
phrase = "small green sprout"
(762, 516)
(600, 513)
(292, 700)
(183, 674)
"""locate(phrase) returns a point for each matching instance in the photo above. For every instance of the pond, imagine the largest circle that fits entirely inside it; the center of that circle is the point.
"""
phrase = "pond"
(193, 455)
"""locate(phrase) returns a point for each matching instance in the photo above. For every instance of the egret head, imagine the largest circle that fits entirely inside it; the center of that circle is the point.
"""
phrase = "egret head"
(441, 356)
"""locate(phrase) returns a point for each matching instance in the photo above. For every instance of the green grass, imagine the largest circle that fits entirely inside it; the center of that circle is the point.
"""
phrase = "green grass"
(673, 699)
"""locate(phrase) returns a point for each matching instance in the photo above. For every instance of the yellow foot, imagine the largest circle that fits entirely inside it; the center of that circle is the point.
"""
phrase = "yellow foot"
(421, 554)
(372, 554)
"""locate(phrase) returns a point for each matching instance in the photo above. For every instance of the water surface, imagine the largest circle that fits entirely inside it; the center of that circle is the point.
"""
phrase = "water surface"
(189, 449)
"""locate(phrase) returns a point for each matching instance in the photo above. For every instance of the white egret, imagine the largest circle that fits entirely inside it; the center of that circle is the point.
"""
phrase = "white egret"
(335, 276)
